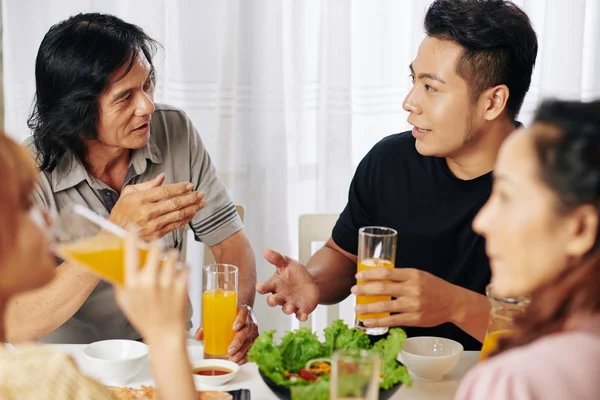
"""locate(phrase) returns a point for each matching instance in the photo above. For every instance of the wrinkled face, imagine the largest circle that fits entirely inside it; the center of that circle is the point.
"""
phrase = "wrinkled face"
(441, 106)
(29, 264)
(529, 242)
(126, 106)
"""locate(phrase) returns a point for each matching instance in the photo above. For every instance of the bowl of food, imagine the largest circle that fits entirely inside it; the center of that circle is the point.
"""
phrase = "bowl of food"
(214, 372)
(114, 362)
(299, 365)
(430, 358)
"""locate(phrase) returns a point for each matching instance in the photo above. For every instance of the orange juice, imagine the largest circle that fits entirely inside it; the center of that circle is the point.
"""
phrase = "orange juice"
(364, 265)
(103, 254)
(491, 342)
(219, 309)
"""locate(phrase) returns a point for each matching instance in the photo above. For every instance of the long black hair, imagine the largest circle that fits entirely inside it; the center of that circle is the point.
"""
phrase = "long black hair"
(73, 66)
(500, 45)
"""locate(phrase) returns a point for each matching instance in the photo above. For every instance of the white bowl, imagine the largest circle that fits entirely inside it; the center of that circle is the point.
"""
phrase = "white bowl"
(430, 358)
(217, 380)
(114, 362)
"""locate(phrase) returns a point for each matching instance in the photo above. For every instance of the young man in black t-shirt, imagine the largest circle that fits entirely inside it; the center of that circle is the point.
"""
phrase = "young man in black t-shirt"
(470, 77)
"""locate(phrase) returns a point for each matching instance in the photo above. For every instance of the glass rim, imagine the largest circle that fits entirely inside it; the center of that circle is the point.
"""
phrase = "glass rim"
(354, 353)
(390, 231)
(93, 217)
(522, 300)
(230, 268)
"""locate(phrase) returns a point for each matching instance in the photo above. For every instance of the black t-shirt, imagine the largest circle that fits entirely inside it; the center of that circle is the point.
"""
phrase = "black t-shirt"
(432, 210)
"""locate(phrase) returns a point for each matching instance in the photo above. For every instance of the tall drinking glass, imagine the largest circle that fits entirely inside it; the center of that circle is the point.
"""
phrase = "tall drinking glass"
(376, 249)
(503, 313)
(354, 375)
(219, 308)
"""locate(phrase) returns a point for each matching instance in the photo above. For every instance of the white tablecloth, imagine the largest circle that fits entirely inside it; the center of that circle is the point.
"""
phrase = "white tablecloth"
(248, 377)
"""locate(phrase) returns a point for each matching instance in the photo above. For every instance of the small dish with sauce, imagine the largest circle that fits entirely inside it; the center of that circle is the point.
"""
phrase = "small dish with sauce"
(214, 372)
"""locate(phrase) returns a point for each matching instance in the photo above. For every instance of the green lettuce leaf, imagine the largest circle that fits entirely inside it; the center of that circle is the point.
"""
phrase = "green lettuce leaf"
(317, 391)
(339, 336)
(268, 357)
(299, 347)
(352, 339)
(394, 373)
(331, 334)
(391, 370)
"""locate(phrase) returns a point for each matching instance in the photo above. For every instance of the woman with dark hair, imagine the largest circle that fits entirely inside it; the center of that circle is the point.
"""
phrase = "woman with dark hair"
(541, 227)
(158, 311)
(101, 141)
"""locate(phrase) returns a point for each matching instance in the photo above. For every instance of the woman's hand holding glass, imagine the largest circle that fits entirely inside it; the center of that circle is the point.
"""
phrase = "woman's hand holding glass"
(154, 297)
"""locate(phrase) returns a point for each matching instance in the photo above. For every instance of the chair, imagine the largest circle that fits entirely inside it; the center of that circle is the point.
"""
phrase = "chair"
(313, 231)
(313, 228)
(208, 256)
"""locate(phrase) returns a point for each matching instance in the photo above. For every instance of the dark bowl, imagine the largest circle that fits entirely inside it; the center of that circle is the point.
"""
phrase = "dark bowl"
(283, 392)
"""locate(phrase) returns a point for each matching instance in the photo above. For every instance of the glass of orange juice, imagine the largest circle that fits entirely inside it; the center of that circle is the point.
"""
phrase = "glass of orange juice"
(85, 238)
(503, 312)
(376, 249)
(219, 308)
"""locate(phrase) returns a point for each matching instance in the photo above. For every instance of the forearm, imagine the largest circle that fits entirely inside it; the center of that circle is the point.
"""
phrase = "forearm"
(247, 277)
(236, 250)
(471, 313)
(333, 273)
(33, 315)
(171, 367)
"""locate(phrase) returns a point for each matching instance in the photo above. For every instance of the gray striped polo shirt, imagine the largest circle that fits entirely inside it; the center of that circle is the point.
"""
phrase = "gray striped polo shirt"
(174, 148)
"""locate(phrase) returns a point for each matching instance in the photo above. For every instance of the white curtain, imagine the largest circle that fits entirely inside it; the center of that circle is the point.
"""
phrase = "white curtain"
(289, 95)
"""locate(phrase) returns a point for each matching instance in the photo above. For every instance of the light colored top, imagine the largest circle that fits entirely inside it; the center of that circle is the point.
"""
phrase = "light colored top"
(35, 373)
(564, 365)
(175, 149)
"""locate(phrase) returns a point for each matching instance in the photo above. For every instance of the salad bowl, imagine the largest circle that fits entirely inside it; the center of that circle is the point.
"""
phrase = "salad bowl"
(298, 366)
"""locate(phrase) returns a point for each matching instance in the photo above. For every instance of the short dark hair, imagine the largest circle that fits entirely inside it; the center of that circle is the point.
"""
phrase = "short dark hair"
(500, 45)
(72, 69)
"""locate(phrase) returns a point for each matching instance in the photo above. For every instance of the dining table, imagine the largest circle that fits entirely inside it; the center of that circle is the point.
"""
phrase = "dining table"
(249, 377)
